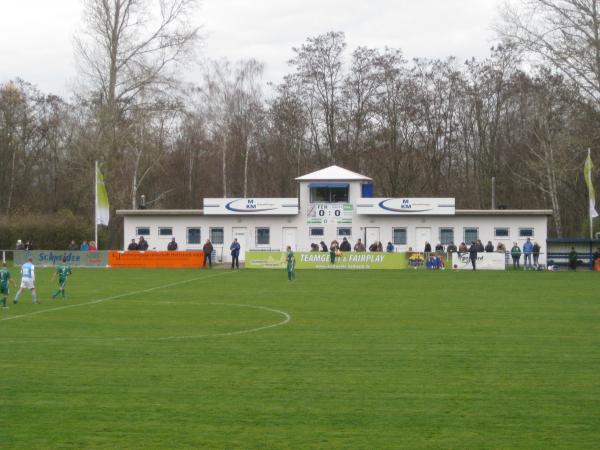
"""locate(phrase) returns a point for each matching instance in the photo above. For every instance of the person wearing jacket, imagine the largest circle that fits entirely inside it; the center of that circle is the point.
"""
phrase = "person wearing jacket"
(390, 248)
(501, 248)
(345, 246)
(489, 248)
(451, 248)
(132, 246)
(515, 252)
(235, 254)
(462, 248)
(479, 245)
(208, 249)
(439, 248)
(573, 259)
(473, 250)
(527, 251)
(359, 246)
(172, 246)
(324, 247)
(536, 255)
(142, 244)
(427, 248)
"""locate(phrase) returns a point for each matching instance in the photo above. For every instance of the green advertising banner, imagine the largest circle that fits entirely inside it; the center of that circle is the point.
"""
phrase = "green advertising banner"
(51, 258)
(321, 260)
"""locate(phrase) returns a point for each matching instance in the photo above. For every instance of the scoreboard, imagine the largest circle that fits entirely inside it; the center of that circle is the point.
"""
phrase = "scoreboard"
(333, 213)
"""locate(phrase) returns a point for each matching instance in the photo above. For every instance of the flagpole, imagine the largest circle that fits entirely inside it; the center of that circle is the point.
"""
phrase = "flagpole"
(96, 204)
(589, 201)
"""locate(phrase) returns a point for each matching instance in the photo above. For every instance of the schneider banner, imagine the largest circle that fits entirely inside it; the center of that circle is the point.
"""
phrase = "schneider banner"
(485, 261)
(320, 260)
(49, 258)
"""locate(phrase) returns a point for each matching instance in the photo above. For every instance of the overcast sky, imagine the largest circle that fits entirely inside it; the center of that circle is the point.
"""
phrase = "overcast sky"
(36, 35)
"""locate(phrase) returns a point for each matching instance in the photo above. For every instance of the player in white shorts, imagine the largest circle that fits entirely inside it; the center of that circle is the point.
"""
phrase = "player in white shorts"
(27, 280)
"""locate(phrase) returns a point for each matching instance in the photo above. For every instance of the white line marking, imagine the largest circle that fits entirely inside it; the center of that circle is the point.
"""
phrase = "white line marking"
(114, 297)
(286, 320)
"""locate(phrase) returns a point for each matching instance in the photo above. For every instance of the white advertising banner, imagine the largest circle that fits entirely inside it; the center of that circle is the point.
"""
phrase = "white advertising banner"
(406, 206)
(485, 261)
(251, 206)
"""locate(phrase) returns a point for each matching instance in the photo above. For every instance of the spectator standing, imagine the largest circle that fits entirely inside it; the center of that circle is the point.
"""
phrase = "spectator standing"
(208, 249)
(345, 246)
(489, 247)
(379, 247)
(389, 248)
(573, 259)
(473, 250)
(462, 248)
(20, 245)
(73, 246)
(451, 248)
(235, 254)
(84, 247)
(359, 246)
(527, 251)
(536, 255)
(324, 247)
(373, 247)
(515, 253)
(314, 247)
(427, 248)
(480, 247)
(132, 247)
(172, 246)
(439, 248)
(92, 247)
(142, 244)
(596, 264)
(501, 248)
(28, 245)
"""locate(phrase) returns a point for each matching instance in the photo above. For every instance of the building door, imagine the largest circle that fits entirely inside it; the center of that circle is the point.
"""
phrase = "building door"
(289, 238)
(240, 234)
(423, 235)
(371, 235)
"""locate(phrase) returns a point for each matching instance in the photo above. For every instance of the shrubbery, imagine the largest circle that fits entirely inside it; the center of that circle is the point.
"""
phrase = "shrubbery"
(47, 231)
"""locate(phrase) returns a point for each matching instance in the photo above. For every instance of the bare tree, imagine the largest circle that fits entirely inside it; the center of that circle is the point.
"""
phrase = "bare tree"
(564, 33)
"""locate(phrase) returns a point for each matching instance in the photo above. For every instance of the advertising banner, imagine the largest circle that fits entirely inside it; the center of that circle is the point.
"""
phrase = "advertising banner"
(321, 260)
(156, 260)
(50, 258)
(406, 206)
(250, 206)
(485, 261)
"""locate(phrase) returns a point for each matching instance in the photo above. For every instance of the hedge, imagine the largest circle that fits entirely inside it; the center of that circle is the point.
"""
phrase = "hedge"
(48, 231)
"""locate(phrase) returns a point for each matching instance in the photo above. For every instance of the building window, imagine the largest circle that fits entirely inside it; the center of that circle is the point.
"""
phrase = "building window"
(193, 235)
(344, 231)
(446, 235)
(142, 231)
(317, 231)
(329, 194)
(526, 232)
(263, 236)
(165, 232)
(501, 232)
(399, 236)
(217, 236)
(471, 234)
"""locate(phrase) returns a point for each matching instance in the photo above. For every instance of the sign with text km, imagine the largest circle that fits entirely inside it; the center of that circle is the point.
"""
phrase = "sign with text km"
(406, 206)
(250, 206)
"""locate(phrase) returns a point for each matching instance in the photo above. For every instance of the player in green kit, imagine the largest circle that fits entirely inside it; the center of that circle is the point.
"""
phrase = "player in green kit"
(291, 264)
(5, 279)
(62, 271)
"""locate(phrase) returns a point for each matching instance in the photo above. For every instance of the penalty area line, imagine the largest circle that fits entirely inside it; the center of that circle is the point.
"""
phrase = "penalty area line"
(114, 297)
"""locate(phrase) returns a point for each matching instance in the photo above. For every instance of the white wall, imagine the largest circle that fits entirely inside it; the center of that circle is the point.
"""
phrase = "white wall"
(485, 224)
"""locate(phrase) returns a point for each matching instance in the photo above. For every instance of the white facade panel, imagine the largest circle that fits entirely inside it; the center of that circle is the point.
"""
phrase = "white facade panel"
(406, 206)
(253, 206)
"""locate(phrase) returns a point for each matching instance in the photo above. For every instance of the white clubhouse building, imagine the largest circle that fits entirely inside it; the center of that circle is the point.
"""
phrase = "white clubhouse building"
(333, 203)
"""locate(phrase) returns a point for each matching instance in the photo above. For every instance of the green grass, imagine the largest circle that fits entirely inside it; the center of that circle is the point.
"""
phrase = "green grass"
(369, 360)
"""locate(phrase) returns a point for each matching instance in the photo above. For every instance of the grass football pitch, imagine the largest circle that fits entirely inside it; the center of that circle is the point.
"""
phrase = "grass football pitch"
(149, 359)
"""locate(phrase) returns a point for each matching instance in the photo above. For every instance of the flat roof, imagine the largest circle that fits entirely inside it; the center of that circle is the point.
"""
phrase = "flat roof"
(458, 212)
(160, 212)
(503, 212)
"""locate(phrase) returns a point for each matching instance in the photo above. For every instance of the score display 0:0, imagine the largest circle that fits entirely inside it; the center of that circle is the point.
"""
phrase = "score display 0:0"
(336, 212)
